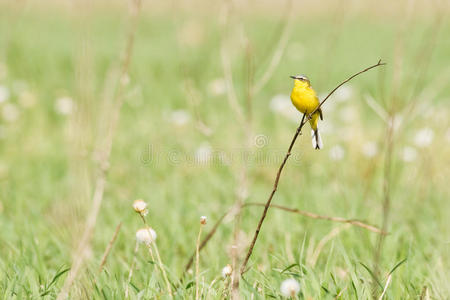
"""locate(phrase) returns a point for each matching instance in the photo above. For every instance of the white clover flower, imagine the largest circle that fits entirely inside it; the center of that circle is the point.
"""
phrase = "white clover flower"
(337, 153)
(10, 112)
(226, 271)
(290, 288)
(369, 149)
(217, 87)
(4, 93)
(424, 137)
(179, 117)
(203, 153)
(146, 236)
(409, 154)
(64, 105)
(203, 220)
(140, 206)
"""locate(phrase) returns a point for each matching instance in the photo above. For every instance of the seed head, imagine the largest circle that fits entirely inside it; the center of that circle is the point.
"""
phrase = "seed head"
(140, 206)
(203, 220)
(226, 271)
(146, 236)
(290, 288)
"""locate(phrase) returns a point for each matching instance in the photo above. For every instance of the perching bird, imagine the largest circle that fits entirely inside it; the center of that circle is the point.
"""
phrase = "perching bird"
(305, 100)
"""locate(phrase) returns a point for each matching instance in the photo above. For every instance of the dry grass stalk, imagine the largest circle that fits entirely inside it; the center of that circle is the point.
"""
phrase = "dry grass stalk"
(388, 281)
(197, 262)
(206, 239)
(109, 247)
(275, 186)
(103, 161)
(321, 217)
(160, 264)
(333, 233)
(279, 50)
(130, 273)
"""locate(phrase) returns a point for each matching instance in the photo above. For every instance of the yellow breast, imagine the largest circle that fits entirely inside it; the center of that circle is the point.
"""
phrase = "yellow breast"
(304, 98)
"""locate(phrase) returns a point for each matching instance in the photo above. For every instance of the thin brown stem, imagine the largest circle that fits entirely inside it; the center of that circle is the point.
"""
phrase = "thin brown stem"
(109, 247)
(213, 230)
(197, 263)
(206, 239)
(275, 186)
(353, 222)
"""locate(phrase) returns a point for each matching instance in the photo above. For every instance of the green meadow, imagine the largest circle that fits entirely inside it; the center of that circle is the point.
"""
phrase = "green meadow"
(199, 121)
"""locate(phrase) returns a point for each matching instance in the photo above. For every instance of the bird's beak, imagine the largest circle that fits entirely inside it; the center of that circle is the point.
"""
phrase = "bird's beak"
(293, 77)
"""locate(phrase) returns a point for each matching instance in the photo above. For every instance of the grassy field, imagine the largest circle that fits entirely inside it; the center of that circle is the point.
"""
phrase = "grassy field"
(179, 145)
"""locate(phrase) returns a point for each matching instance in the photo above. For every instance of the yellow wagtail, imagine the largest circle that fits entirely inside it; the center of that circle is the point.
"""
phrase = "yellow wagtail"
(305, 100)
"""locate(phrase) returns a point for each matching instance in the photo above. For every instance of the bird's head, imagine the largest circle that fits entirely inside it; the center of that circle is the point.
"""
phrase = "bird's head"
(301, 79)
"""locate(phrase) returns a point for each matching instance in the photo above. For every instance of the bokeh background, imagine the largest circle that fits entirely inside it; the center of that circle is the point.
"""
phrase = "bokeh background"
(200, 120)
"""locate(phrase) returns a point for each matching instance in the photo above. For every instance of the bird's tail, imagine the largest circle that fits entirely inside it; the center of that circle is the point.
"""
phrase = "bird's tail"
(316, 139)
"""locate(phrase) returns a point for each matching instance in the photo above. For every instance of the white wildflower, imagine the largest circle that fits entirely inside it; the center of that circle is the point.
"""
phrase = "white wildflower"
(290, 288)
(179, 117)
(64, 105)
(369, 149)
(203, 153)
(409, 154)
(140, 206)
(226, 271)
(4, 93)
(424, 137)
(146, 236)
(10, 112)
(217, 87)
(203, 220)
(337, 153)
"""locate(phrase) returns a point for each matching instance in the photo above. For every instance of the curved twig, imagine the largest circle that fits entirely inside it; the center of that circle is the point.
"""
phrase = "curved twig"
(354, 222)
(275, 186)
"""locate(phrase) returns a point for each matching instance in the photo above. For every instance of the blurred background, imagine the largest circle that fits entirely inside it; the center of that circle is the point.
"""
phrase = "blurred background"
(186, 105)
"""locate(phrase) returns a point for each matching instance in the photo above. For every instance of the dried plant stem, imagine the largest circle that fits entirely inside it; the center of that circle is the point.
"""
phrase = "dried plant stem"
(321, 217)
(308, 214)
(103, 161)
(197, 263)
(206, 239)
(275, 186)
(163, 271)
(388, 281)
(160, 264)
(130, 273)
(109, 247)
(279, 50)
(386, 195)
(333, 233)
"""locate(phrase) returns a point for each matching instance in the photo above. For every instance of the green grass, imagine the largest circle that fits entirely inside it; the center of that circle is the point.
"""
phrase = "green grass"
(47, 170)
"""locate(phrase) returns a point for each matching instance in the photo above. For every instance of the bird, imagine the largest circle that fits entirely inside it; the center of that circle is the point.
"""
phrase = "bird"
(306, 101)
